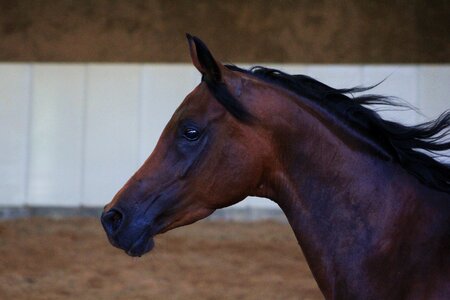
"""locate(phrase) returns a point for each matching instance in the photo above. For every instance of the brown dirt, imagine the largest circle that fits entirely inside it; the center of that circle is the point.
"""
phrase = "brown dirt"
(307, 31)
(71, 259)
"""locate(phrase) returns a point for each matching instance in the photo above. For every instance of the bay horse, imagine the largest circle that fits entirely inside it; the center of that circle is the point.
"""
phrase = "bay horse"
(367, 199)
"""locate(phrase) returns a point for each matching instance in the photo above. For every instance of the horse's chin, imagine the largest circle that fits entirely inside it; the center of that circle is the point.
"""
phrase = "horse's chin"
(141, 246)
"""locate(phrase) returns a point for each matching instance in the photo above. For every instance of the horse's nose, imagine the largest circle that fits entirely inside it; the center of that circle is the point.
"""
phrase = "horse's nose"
(112, 220)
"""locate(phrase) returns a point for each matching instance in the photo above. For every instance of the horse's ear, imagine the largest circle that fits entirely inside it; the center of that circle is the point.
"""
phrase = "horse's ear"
(203, 59)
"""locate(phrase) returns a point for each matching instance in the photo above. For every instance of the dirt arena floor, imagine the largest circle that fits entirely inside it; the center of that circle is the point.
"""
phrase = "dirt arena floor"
(71, 259)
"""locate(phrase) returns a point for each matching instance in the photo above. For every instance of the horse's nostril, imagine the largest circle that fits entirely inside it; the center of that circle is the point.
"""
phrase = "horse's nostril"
(112, 220)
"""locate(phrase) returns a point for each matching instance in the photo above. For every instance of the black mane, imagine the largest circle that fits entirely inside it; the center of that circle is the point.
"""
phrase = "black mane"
(413, 147)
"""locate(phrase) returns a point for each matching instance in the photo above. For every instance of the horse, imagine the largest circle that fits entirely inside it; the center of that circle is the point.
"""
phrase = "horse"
(368, 199)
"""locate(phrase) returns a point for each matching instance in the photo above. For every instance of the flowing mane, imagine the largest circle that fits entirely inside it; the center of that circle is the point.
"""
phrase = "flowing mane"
(415, 148)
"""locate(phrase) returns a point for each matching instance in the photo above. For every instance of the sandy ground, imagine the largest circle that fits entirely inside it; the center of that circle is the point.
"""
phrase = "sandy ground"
(307, 31)
(71, 259)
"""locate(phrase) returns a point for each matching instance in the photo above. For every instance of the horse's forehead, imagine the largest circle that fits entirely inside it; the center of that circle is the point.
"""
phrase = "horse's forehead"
(199, 102)
(199, 96)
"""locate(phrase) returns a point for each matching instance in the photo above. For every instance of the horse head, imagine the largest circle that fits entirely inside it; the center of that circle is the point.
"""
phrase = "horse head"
(210, 155)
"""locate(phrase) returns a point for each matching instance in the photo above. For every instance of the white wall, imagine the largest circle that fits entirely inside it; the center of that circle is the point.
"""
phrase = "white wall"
(15, 105)
(73, 133)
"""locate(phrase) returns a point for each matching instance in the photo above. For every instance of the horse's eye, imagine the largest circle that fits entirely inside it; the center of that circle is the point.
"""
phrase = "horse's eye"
(191, 134)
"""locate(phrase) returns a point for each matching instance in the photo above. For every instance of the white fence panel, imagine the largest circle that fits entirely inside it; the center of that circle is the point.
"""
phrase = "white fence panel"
(434, 93)
(434, 90)
(56, 135)
(164, 87)
(111, 135)
(15, 98)
(400, 82)
(293, 69)
(337, 76)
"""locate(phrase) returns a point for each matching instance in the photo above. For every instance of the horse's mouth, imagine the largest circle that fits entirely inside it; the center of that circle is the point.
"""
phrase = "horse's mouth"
(141, 246)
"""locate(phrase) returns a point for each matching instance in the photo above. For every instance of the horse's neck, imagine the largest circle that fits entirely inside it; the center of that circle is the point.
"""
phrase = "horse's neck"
(354, 214)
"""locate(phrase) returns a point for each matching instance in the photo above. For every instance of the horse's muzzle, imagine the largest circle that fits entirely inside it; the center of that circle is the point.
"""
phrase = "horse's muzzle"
(133, 240)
